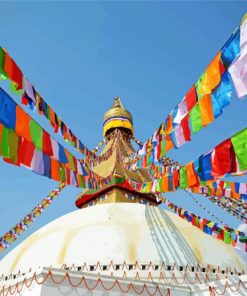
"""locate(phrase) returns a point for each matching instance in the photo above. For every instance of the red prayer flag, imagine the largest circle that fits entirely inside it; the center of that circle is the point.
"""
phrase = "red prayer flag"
(191, 98)
(13, 71)
(26, 152)
(186, 128)
(67, 170)
(221, 160)
(47, 146)
(175, 178)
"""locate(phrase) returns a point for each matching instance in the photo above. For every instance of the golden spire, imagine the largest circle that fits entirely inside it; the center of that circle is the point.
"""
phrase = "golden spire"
(117, 117)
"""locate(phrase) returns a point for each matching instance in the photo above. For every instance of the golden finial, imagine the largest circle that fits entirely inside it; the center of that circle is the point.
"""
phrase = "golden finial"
(117, 116)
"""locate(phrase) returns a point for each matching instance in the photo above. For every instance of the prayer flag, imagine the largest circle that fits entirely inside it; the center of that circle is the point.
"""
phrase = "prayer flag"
(231, 49)
(212, 75)
(5, 142)
(7, 110)
(2, 62)
(169, 126)
(222, 94)
(239, 142)
(183, 182)
(14, 142)
(227, 237)
(238, 71)
(181, 111)
(37, 164)
(186, 128)
(13, 71)
(221, 159)
(191, 175)
(206, 109)
(168, 143)
(205, 167)
(26, 152)
(179, 135)
(195, 119)
(55, 170)
(191, 98)
(36, 132)
(22, 123)
(46, 144)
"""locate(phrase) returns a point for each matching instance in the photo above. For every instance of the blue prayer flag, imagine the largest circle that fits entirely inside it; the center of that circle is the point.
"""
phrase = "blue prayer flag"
(231, 49)
(205, 167)
(47, 165)
(222, 94)
(7, 110)
(61, 154)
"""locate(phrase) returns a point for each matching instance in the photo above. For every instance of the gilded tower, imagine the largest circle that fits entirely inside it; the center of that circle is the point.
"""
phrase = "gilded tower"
(118, 131)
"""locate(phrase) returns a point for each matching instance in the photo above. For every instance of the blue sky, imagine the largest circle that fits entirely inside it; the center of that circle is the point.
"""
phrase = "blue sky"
(80, 55)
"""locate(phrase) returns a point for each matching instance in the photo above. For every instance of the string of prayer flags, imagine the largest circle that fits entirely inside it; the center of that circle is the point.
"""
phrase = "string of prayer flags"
(14, 233)
(204, 208)
(231, 206)
(227, 158)
(23, 142)
(206, 99)
(224, 233)
(232, 190)
(32, 98)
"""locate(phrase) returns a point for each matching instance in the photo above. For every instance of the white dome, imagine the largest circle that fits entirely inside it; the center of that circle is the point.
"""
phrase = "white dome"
(119, 232)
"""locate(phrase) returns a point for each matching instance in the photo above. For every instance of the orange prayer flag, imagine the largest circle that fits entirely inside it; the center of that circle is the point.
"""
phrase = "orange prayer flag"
(22, 124)
(168, 143)
(206, 109)
(192, 177)
(68, 164)
(52, 117)
(165, 184)
(212, 75)
(13, 71)
(218, 192)
(196, 189)
(55, 170)
(169, 126)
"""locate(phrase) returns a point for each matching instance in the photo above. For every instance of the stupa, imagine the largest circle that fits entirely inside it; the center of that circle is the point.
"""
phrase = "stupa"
(120, 241)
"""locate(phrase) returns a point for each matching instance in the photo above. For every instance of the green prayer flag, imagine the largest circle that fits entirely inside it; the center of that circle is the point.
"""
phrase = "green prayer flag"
(2, 60)
(36, 134)
(239, 142)
(197, 222)
(183, 182)
(71, 162)
(163, 148)
(82, 184)
(195, 119)
(5, 142)
(159, 185)
(227, 237)
(48, 113)
(62, 174)
(198, 86)
(14, 142)
(13, 86)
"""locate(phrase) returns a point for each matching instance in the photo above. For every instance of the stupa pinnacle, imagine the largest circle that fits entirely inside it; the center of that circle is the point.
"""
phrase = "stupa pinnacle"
(117, 117)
